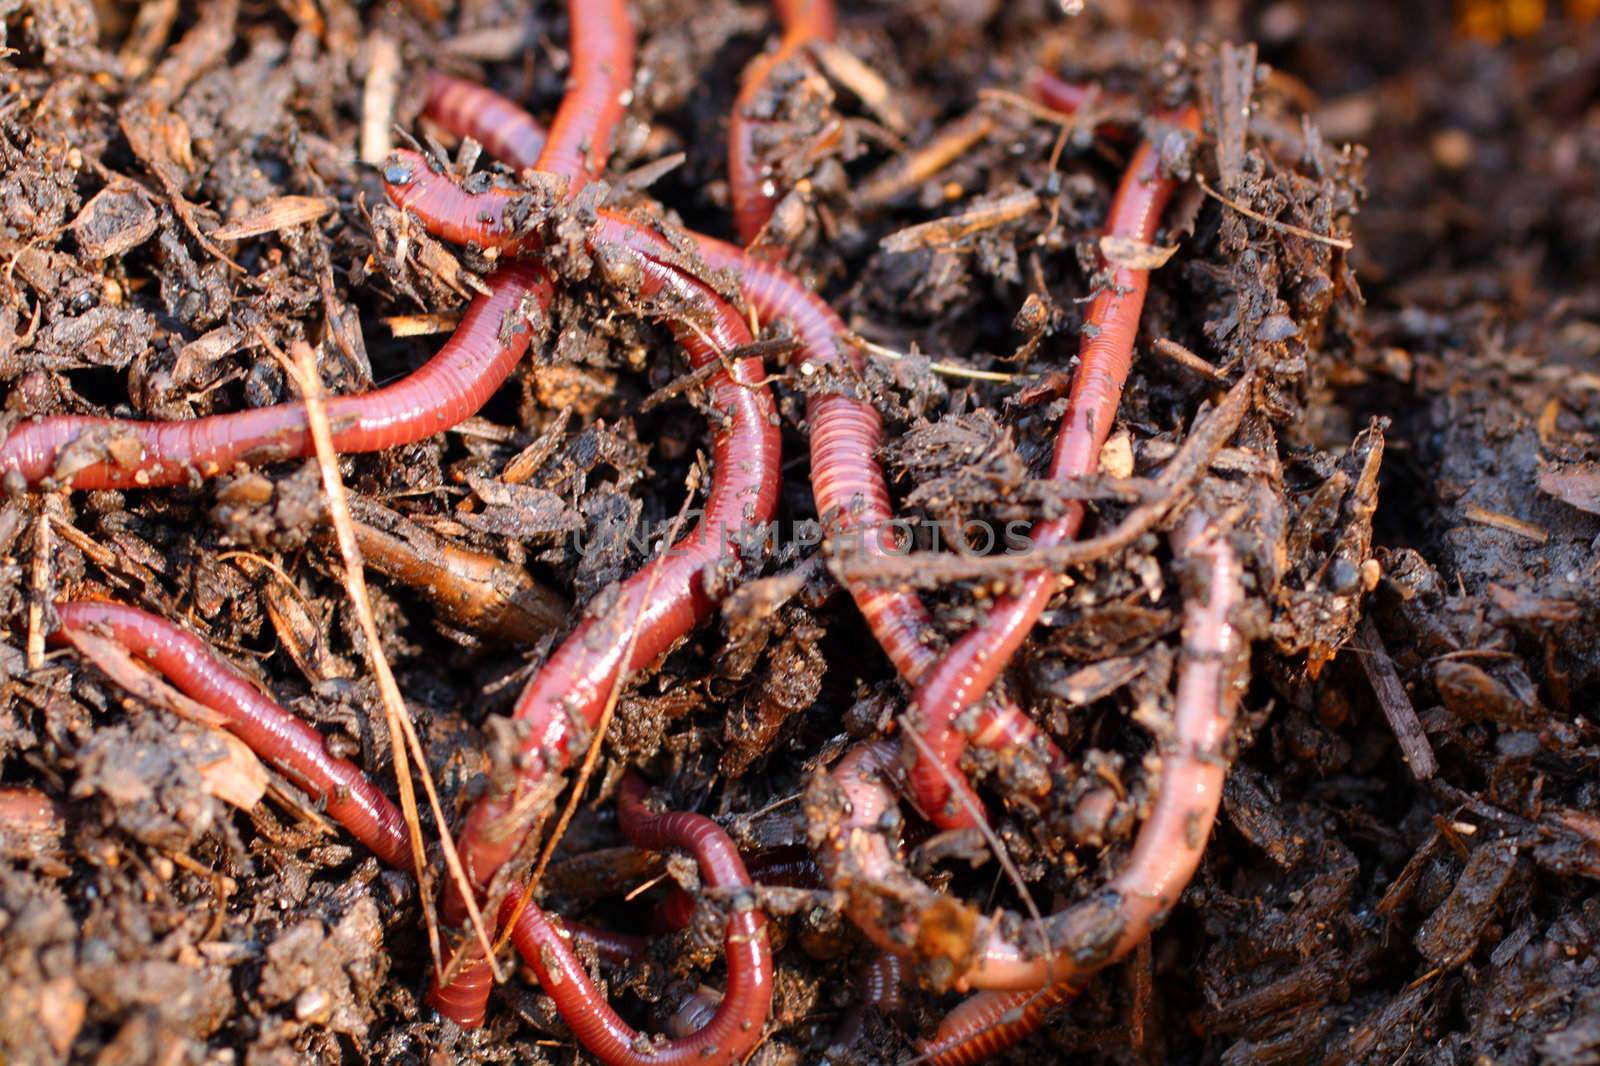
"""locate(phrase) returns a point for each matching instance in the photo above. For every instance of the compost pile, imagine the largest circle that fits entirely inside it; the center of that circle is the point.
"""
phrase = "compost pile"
(1363, 425)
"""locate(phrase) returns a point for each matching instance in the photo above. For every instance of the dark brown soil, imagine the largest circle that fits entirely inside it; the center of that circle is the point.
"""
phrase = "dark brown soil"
(1405, 867)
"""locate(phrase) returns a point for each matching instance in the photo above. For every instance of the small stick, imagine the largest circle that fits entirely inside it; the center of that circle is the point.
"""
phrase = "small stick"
(1271, 223)
(39, 579)
(909, 171)
(1396, 704)
(303, 368)
(1177, 353)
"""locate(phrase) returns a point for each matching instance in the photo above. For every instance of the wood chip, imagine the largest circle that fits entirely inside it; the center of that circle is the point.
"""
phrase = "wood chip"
(1395, 701)
(116, 221)
(843, 67)
(1134, 255)
(1235, 85)
(1506, 523)
(279, 213)
(943, 231)
(1577, 486)
(421, 325)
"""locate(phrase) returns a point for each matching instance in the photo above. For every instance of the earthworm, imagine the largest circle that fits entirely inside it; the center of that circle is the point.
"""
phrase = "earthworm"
(454, 384)
(1212, 674)
(347, 796)
(967, 670)
(888, 904)
(505, 130)
(597, 92)
(738, 1022)
(1053, 91)
(664, 600)
(695, 1012)
(754, 192)
(846, 432)
(580, 674)
(31, 824)
(881, 985)
(291, 746)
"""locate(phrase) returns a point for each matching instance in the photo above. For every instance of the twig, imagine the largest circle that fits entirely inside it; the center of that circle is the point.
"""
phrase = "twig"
(910, 170)
(1272, 223)
(303, 369)
(1193, 459)
(39, 581)
(1396, 704)
(953, 228)
(947, 369)
(1171, 350)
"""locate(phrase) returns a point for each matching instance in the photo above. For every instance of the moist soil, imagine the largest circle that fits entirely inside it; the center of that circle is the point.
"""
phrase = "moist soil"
(1404, 868)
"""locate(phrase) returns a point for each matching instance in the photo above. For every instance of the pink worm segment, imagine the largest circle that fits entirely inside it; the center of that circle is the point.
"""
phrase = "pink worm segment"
(968, 670)
(452, 385)
(1211, 678)
(602, 49)
(851, 494)
(349, 798)
(505, 130)
(291, 746)
(754, 193)
(1056, 92)
(569, 694)
(736, 1026)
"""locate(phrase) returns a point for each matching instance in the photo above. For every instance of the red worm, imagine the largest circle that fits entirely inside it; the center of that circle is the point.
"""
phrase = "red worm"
(570, 692)
(989, 1022)
(597, 94)
(452, 385)
(851, 494)
(1050, 90)
(887, 903)
(31, 824)
(1093, 934)
(291, 746)
(346, 795)
(740, 1017)
(755, 192)
(965, 673)
(505, 130)
(664, 600)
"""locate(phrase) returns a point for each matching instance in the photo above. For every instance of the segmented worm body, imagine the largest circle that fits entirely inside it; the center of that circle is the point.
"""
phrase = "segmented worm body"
(750, 183)
(350, 799)
(505, 130)
(666, 599)
(288, 744)
(86, 452)
(846, 431)
(601, 79)
(1102, 929)
(965, 673)
(737, 1024)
